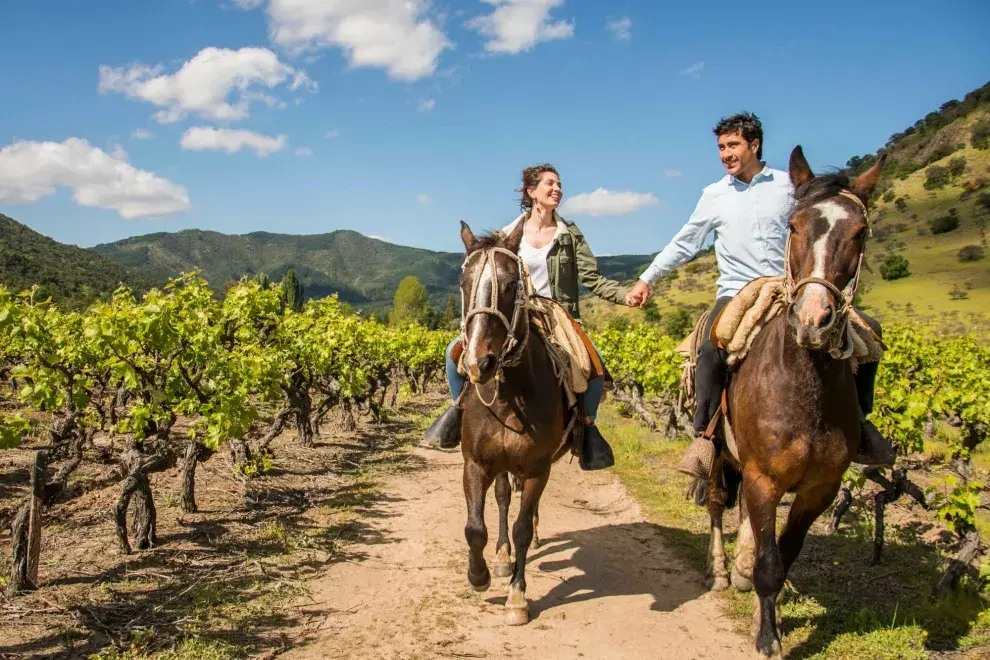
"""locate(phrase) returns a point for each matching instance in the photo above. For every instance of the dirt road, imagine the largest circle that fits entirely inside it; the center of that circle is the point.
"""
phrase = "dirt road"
(601, 586)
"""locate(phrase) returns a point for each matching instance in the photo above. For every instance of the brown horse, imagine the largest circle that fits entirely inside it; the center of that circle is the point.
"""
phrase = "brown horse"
(513, 410)
(793, 418)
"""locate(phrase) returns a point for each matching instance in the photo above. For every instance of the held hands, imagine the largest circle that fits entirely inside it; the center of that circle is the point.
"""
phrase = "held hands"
(639, 294)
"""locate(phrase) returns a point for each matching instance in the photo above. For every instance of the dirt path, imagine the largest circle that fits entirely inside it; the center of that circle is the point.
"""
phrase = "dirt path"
(601, 586)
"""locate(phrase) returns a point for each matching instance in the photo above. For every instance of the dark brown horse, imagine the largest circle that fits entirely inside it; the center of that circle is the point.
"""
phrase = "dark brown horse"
(513, 412)
(793, 418)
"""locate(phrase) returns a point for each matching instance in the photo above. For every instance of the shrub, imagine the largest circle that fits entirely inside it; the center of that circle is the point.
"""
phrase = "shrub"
(678, 324)
(936, 176)
(957, 166)
(901, 204)
(980, 135)
(944, 223)
(894, 267)
(970, 253)
(984, 200)
(889, 196)
(618, 323)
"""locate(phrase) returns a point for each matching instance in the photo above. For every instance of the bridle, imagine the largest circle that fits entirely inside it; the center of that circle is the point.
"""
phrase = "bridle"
(512, 347)
(843, 298)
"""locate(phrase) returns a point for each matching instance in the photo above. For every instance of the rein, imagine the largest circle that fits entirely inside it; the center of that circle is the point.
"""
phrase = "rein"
(843, 298)
(512, 348)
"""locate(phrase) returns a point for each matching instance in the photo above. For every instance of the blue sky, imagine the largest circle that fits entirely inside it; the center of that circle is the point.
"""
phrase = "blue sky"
(398, 119)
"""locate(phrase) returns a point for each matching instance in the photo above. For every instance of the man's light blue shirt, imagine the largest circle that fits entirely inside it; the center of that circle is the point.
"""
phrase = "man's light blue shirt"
(750, 224)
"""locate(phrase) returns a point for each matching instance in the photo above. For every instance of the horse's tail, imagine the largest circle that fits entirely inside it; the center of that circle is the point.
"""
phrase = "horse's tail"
(731, 481)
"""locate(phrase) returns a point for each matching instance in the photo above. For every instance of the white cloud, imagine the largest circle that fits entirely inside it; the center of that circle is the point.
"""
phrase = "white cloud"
(205, 84)
(30, 171)
(247, 5)
(518, 25)
(694, 70)
(142, 134)
(303, 151)
(423, 198)
(395, 35)
(620, 28)
(607, 202)
(331, 134)
(672, 174)
(427, 105)
(200, 138)
(380, 238)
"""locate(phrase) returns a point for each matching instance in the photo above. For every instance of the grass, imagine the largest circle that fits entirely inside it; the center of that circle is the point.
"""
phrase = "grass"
(836, 604)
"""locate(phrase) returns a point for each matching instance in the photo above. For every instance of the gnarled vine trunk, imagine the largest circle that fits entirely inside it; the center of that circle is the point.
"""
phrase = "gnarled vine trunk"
(26, 533)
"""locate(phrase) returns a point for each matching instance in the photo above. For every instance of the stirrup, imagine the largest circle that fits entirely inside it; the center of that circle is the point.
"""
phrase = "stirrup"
(699, 458)
(874, 449)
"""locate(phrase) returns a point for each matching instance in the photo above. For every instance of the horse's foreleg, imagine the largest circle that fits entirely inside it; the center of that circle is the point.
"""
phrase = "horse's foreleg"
(742, 566)
(717, 575)
(517, 609)
(476, 484)
(503, 551)
(762, 497)
(536, 527)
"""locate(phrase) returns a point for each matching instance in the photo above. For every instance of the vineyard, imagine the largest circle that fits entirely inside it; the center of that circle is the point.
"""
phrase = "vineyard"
(237, 370)
(163, 383)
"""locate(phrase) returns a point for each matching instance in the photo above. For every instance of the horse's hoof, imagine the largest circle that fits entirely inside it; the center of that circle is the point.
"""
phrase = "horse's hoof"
(739, 582)
(720, 583)
(775, 651)
(481, 583)
(516, 617)
(503, 570)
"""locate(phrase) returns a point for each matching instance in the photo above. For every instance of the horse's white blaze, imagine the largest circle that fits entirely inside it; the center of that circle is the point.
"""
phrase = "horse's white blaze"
(482, 298)
(833, 214)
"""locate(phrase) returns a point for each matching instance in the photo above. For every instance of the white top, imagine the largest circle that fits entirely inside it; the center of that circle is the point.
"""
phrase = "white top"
(536, 258)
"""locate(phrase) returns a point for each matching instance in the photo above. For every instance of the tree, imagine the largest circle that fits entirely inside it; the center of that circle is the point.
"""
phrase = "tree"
(650, 312)
(411, 303)
(292, 290)
(944, 223)
(894, 267)
(262, 280)
(970, 253)
(678, 324)
(957, 166)
(936, 176)
(980, 135)
(451, 318)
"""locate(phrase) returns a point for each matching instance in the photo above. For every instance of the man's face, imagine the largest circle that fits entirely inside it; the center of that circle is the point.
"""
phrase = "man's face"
(736, 153)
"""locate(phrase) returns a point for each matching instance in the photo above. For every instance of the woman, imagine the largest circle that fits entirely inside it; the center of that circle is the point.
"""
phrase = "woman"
(558, 258)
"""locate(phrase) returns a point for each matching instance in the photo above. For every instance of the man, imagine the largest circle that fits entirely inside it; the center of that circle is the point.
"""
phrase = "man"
(748, 210)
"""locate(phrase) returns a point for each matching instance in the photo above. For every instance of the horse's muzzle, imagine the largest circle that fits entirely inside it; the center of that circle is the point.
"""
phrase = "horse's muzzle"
(812, 322)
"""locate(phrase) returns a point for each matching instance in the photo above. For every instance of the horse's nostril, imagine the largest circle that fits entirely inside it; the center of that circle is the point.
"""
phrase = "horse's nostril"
(486, 362)
(828, 318)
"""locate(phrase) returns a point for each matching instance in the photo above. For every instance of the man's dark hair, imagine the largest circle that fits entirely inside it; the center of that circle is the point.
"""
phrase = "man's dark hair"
(746, 124)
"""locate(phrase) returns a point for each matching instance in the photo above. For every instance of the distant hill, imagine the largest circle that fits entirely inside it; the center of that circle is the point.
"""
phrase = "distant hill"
(71, 275)
(363, 271)
(951, 145)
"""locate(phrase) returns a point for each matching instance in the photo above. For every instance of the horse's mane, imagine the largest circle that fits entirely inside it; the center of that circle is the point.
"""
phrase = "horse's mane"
(823, 187)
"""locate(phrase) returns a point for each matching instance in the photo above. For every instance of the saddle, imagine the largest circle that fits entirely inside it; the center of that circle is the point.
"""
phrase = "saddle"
(739, 323)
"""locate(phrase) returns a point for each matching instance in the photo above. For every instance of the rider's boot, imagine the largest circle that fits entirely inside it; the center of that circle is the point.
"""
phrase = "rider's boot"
(874, 449)
(699, 458)
(596, 454)
(445, 431)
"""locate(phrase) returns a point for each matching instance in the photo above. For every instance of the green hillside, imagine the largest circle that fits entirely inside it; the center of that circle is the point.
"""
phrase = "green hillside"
(70, 275)
(953, 146)
(362, 270)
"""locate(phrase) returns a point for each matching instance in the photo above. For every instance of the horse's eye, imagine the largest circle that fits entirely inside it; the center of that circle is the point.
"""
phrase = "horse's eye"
(791, 228)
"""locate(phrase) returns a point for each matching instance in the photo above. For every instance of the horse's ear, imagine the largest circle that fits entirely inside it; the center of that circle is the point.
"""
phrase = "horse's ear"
(514, 239)
(799, 169)
(867, 181)
(467, 236)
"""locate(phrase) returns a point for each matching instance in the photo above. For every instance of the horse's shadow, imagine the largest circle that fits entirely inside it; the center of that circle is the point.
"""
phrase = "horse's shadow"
(614, 560)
